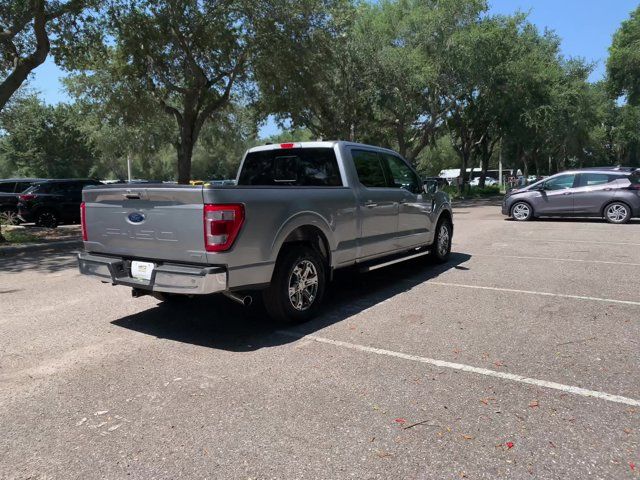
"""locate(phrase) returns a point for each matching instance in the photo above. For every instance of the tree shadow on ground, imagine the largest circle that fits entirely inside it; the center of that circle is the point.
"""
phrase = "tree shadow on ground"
(216, 322)
(43, 260)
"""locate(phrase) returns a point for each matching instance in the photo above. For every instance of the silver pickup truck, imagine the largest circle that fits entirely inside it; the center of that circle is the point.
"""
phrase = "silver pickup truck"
(297, 212)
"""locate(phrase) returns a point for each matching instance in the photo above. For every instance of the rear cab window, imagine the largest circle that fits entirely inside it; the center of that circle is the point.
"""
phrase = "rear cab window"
(291, 167)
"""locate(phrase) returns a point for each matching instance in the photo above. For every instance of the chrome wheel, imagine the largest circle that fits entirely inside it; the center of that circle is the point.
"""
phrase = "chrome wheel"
(9, 217)
(303, 285)
(521, 211)
(617, 213)
(443, 240)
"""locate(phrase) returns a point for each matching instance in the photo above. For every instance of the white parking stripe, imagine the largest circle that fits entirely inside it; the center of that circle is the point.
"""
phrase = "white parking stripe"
(467, 368)
(531, 292)
(555, 259)
(580, 241)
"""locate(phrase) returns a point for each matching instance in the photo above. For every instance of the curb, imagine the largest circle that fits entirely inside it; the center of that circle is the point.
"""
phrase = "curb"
(38, 246)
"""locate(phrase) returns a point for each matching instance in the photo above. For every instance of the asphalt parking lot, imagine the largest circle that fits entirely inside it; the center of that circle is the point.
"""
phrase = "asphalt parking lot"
(518, 359)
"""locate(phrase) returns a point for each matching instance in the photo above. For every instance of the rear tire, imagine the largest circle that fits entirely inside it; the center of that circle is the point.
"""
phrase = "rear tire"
(47, 219)
(297, 287)
(617, 212)
(9, 217)
(521, 212)
(441, 247)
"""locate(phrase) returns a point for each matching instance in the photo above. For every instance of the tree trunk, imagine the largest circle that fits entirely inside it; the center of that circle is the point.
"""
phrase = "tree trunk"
(188, 135)
(185, 151)
(2, 239)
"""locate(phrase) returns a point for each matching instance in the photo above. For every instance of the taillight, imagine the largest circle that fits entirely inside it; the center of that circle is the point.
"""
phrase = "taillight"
(634, 186)
(221, 226)
(83, 221)
(287, 145)
(27, 197)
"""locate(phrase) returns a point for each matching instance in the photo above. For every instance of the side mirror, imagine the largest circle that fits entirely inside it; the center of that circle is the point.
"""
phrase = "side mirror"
(430, 187)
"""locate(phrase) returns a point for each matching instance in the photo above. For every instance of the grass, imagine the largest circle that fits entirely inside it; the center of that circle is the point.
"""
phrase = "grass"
(18, 236)
(472, 192)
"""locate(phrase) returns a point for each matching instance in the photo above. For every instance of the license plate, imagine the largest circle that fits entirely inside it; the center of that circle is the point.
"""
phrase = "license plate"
(142, 270)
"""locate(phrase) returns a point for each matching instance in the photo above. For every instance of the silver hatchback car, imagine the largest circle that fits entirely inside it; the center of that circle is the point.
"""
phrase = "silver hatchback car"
(612, 193)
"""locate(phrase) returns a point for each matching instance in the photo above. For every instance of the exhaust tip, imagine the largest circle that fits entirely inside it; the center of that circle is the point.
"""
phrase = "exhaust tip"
(244, 300)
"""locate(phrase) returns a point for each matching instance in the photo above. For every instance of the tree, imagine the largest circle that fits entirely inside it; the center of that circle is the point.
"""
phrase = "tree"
(320, 85)
(189, 58)
(26, 27)
(378, 73)
(44, 141)
(623, 64)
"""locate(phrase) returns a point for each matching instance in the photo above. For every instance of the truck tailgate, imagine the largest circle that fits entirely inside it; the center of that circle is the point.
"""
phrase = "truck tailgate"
(150, 222)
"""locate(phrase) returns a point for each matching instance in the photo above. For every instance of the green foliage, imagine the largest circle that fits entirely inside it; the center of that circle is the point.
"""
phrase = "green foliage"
(623, 65)
(438, 157)
(43, 141)
(29, 29)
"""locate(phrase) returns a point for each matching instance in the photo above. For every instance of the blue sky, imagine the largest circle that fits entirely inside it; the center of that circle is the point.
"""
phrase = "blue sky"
(585, 26)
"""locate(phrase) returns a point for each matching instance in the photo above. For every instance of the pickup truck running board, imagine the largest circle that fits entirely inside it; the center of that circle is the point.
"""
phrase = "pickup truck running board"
(376, 266)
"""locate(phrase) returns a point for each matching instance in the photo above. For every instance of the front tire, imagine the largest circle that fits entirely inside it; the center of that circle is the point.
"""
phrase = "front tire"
(521, 212)
(441, 248)
(297, 286)
(617, 212)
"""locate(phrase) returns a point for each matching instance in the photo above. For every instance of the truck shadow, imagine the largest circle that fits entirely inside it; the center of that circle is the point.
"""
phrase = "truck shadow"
(217, 322)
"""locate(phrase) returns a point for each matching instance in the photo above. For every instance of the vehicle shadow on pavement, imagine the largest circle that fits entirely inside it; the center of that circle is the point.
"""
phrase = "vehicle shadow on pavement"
(217, 322)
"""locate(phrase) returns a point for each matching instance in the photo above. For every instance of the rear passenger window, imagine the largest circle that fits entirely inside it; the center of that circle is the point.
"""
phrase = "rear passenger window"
(591, 179)
(6, 187)
(369, 168)
(296, 167)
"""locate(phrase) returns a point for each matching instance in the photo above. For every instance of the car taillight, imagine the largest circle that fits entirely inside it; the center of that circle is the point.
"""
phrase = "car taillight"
(634, 186)
(83, 221)
(287, 145)
(27, 197)
(221, 226)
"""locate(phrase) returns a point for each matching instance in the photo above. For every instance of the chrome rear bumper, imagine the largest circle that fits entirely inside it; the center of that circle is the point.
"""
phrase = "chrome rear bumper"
(166, 277)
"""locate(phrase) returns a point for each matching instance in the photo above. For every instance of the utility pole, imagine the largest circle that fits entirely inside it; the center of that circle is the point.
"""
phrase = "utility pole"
(129, 167)
(500, 166)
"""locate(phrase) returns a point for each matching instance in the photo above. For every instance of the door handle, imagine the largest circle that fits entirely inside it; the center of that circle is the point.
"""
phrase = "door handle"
(608, 189)
(567, 193)
(370, 204)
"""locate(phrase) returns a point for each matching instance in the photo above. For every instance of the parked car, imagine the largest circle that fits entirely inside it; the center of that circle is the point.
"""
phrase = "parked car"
(488, 182)
(299, 211)
(612, 193)
(440, 182)
(10, 188)
(53, 202)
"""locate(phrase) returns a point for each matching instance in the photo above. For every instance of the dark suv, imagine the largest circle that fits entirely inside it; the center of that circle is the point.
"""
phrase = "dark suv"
(53, 202)
(612, 193)
(10, 188)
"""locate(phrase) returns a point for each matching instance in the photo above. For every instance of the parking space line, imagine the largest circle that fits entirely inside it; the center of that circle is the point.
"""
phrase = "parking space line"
(470, 369)
(556, 259)
(545, 240)
(532, 292)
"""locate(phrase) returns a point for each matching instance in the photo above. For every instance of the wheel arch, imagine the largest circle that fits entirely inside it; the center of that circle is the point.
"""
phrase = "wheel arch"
(310, 229)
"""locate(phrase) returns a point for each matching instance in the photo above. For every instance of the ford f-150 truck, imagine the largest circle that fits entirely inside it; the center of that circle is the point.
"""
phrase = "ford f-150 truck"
(297, 212)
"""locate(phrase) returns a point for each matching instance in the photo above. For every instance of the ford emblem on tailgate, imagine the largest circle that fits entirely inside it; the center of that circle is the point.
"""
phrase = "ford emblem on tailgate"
(136, 217)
